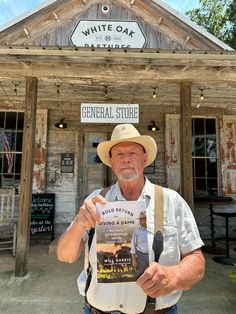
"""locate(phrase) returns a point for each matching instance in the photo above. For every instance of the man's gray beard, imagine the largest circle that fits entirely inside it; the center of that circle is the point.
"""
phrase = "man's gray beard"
(127, 178)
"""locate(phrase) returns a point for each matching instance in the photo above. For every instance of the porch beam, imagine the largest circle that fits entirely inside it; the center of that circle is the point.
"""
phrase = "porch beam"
(186, 143)
(23, 233)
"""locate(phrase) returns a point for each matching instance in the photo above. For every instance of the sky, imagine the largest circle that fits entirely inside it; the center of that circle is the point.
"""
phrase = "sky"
(9, 9)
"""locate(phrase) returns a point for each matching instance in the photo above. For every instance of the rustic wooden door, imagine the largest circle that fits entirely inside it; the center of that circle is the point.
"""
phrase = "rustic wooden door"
(95, 174)
(172, 151)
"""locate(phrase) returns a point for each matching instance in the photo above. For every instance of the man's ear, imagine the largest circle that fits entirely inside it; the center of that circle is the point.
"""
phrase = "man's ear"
(145, 158)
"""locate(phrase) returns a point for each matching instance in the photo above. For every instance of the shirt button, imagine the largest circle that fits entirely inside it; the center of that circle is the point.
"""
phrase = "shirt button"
(121, 306)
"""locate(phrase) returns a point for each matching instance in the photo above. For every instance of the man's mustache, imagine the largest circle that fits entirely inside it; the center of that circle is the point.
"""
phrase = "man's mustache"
(127, 167)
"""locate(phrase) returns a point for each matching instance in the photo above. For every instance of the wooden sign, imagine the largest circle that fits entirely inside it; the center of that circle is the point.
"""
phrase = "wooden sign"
(42, 214)
(109, 113)
(108, 34)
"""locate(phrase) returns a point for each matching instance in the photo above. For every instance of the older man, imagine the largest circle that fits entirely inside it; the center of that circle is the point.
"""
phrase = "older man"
(139, 245)
(181, 263)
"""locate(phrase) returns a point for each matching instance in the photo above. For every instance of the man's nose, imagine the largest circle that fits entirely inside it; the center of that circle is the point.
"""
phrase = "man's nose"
(126, 158)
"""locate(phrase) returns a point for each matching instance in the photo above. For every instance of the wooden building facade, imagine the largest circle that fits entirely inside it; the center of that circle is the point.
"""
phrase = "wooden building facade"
(68, 53)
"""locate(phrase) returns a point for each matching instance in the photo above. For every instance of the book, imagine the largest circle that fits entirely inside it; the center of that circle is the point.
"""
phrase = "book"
(115, 241)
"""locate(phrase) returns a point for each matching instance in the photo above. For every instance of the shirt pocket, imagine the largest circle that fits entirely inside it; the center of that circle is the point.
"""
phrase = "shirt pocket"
(171, 252)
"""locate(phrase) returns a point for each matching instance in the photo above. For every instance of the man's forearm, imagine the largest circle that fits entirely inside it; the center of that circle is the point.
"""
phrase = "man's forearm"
(190, 270)
(70, 244)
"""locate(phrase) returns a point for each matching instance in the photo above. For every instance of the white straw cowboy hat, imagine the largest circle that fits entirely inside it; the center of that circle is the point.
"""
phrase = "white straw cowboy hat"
(142, 215)
(127, 133)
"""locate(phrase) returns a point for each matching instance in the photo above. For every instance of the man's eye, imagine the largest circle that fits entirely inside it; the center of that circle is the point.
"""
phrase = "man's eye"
(118, 154)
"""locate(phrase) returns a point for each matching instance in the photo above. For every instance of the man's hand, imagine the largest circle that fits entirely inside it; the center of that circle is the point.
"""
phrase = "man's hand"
(134, 261)
(88, 215)
(157, 280)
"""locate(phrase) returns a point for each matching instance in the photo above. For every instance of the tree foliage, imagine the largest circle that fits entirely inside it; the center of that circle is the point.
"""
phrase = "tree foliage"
(231, 36)
(218, 18)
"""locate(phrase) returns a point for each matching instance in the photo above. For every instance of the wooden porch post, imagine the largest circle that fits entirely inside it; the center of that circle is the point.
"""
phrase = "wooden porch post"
(186, 143)
(23, 233)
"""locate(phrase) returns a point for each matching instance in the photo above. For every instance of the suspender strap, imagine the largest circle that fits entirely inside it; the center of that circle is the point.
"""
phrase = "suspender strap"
(158, 215)
(158, 238)
(104, 191)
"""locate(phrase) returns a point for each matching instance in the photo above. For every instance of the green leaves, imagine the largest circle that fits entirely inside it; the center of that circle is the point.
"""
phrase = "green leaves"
(217, 17)
(233, 275)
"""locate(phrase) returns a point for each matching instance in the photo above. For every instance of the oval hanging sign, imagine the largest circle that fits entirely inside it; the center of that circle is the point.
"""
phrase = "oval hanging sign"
(108, 34)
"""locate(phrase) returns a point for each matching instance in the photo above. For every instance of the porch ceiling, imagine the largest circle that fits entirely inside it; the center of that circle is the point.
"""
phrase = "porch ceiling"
(70, 75)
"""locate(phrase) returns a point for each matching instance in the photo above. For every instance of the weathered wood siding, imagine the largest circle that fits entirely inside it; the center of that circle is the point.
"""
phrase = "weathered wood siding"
(172, 151)
(65, 185)
(40, 152)
(228, 154)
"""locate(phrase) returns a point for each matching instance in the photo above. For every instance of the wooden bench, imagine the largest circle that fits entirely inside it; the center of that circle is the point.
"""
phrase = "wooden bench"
(8, 224)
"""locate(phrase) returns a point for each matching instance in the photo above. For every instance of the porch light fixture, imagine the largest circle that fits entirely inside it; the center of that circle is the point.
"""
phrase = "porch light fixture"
(106, 92)
(58, 85)
(61, 124)
(201, 97)
(16, 84)
(154, 95)
(152, 127)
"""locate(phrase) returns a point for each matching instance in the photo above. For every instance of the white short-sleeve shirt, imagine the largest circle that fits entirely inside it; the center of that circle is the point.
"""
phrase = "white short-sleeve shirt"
(180, 236)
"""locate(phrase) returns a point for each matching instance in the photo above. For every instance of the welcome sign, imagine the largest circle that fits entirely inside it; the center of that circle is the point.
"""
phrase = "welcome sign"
(109, 113)
(108, 34)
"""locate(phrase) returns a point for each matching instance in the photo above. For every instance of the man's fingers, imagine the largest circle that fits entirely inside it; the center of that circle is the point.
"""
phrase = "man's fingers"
(89, 215)
(86, 217)
(153, 281)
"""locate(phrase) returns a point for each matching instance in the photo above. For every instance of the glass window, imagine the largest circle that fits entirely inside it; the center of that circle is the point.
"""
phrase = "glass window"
(11, 141)
(205, 157)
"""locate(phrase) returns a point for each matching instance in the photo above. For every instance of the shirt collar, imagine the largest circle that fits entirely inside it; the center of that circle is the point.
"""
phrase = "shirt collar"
(116, 195)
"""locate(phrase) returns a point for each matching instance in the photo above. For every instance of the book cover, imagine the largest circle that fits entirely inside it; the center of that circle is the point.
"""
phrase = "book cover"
(117, 237)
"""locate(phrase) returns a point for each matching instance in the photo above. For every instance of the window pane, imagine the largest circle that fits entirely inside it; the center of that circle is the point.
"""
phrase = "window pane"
(2, 115)
(9, 141)
(212, 186)
(8, 165)
(18, 158)
(211, 148)
(1, 162)
(211, 169)
(201, 184)
(19, 141)
(200, 169)
(199, 146)
(1, 140)
(10, 120)
(210, 126)
(20, 122)
(199, 127)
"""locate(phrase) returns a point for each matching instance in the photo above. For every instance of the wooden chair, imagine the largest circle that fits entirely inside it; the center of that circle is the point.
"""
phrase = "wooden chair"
(8, 224)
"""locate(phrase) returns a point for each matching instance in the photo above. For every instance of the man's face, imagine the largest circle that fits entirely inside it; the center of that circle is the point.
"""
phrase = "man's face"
(143, 222)
(128, 161)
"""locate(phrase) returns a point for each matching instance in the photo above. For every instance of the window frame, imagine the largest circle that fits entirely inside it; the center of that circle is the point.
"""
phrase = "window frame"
(218, 175)
(14, 181)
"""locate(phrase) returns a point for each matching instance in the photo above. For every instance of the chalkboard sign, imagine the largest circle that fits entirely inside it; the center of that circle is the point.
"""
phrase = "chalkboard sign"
(42, 214)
